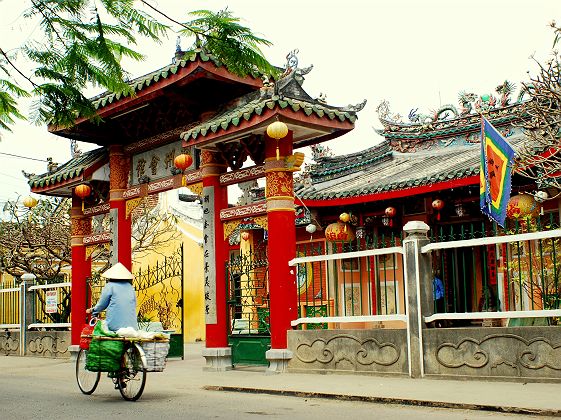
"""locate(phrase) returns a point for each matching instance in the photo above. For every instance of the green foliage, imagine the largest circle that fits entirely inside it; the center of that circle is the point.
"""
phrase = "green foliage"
(83, 44)
(221, 35)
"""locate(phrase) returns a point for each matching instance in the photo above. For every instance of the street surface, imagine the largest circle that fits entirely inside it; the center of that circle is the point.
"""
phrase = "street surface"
(46, 389)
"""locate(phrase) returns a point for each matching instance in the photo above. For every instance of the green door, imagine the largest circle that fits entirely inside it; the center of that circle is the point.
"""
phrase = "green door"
(248, 308)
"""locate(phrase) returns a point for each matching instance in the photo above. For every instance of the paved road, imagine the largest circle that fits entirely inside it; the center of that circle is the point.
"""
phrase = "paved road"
(47, 390)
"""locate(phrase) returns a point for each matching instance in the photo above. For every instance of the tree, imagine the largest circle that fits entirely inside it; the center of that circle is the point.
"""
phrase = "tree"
(37, 241)
(540, 157)
(82, 43)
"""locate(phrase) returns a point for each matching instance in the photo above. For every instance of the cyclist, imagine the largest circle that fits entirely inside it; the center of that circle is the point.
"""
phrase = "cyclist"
(118, 298)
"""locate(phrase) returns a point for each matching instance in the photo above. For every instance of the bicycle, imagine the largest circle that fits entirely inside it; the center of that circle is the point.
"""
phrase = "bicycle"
(130, 379)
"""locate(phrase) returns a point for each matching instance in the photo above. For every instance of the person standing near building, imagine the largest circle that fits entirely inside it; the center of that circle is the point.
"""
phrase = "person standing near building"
(118, 299)
(438, 293)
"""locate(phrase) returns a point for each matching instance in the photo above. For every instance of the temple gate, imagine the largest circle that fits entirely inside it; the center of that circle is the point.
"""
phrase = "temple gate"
(196, 106)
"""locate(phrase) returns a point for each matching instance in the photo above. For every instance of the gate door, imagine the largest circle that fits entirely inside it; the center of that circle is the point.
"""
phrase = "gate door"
(248, 308)
(159, 295)
(159, 298)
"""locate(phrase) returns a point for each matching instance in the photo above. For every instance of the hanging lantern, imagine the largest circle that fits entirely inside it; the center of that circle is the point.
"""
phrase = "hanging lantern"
(245, 236)
(339, 232)
(29, 202)
(311, 228)
(390, 212)
(438, 205)
(83, 191)
(344, 217)
(182, 162)
(277, 130)
(522, 205)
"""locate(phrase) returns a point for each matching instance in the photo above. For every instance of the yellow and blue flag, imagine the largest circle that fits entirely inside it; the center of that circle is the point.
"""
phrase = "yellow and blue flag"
(497, 157)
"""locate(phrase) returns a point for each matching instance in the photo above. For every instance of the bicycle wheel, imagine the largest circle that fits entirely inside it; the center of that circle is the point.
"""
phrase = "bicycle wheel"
(132, 378)
(87, 380)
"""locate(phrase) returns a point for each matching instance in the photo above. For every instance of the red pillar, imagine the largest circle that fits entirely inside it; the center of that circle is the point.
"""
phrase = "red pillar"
(281, 245)
(118, 177)
(215, 198)
(81, 268)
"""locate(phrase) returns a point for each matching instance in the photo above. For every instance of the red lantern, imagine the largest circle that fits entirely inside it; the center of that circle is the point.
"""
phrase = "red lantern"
(245, 236)
(83, 191)
(438, 205)
(339, 232)
(183, 161)
(390, 212)
(522, 205)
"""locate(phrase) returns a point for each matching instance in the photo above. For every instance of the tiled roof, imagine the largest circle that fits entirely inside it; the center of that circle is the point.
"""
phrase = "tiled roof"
(143, 82)
(234, 117)
(71, 169)
(392, 171)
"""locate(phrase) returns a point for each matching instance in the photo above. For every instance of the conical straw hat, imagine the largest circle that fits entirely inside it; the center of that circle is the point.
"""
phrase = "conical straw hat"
(118, 272)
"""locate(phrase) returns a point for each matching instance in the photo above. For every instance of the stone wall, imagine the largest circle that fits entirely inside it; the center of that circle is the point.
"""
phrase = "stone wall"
(9, 343)
(528, 353)
(380, 351)
(51, 344)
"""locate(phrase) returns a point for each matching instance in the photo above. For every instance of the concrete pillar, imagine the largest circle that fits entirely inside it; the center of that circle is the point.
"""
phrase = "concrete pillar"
(121, 249)
(81, 268)
(217, 353)
(281, 247)
(26, 310)
(418, 292)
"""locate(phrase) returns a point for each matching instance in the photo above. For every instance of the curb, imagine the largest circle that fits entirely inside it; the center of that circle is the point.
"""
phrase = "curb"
(389, 400)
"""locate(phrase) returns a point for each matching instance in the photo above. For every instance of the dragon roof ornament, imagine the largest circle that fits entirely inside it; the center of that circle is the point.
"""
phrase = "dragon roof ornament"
(470, 104)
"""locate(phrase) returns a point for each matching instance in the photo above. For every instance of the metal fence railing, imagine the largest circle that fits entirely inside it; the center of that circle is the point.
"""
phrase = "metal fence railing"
(357, 282)
(9, 305)
(513, 277)
(50, 305)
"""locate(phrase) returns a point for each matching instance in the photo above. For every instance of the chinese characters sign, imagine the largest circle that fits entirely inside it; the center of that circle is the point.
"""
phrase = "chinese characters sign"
(209, 260)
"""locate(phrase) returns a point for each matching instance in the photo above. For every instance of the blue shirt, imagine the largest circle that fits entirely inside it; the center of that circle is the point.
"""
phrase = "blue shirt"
(119, 299)
(437, 288)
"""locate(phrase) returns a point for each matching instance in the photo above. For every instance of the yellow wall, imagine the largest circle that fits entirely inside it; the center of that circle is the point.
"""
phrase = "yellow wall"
(193, 290)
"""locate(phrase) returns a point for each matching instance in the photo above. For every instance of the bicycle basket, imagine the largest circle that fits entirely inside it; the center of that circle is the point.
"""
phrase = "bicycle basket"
(156, 355)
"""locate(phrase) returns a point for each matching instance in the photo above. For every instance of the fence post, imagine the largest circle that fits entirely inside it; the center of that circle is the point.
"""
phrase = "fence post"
(26, 310)
(418, 292)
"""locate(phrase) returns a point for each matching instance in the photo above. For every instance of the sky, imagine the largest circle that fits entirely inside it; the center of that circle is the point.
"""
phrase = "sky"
(413, 53)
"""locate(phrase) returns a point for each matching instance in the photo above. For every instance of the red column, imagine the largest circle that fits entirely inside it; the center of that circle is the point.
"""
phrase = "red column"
(215, 198)
(279, 192)
(81, 268)
(118, 178)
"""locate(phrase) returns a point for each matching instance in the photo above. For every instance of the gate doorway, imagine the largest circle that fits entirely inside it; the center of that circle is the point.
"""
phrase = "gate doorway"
(248, 307)
(159, 298)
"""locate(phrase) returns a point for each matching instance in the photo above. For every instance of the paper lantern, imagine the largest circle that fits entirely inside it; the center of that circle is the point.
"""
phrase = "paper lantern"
(83, 191)
(344, 217)
(245, 236)
(29, 202)
(339, 232)
(390, 212)
(522, 205)
(311, 228)
(438, 205)
(183, 161)
(277, 130)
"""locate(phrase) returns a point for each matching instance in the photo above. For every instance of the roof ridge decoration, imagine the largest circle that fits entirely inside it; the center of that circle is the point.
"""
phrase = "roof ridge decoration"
(285, 92)
(470, 104)
(449, 125)
(69, 170)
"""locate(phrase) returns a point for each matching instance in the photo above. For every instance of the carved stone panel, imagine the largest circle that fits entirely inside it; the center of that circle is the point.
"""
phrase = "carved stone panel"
(368, 351)
(522, 352)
